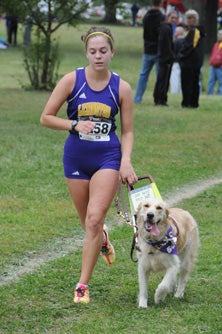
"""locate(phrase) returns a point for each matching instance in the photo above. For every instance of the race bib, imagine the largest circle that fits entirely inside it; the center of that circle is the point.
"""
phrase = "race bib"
(100, 132)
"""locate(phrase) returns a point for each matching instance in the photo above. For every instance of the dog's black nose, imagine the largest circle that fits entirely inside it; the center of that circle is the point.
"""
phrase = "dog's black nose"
(150, 216)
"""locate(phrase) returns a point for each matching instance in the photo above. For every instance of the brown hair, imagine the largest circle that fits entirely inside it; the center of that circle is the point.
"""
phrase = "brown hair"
(95, 31)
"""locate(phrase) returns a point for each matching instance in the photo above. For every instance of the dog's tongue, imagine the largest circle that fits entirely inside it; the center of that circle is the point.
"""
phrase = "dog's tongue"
(154, 230)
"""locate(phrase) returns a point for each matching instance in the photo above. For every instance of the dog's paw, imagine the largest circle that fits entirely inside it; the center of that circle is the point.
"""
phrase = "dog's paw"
(142, 303)
(179, 294)
(160, 294)
(142, 306)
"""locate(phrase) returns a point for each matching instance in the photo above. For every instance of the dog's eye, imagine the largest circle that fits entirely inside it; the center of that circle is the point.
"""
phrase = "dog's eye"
(146, 206)
(159, 207)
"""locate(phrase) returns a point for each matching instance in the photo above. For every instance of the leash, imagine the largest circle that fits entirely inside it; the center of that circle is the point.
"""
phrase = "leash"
(131, 221)
(134, 246)
(125, 213)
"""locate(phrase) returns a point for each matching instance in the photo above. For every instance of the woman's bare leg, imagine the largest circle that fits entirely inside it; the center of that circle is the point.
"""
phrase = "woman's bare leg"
(92, 203)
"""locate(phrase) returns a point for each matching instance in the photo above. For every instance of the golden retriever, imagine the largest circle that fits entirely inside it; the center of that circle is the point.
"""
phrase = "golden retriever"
(168, 240)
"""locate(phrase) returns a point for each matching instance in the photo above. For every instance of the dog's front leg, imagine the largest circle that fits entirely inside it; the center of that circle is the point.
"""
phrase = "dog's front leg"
(167, 285)
(143, 282)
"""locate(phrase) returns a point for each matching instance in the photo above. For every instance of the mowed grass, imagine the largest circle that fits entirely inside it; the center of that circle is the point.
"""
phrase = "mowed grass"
(176, 146)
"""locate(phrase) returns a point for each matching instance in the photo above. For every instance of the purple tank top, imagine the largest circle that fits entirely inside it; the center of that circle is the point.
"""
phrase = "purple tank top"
(85, 103)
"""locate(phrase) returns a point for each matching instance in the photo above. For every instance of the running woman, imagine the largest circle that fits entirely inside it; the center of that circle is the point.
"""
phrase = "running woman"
(94, 158)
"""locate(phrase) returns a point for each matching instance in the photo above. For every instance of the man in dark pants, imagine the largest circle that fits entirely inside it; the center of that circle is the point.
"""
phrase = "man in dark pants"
(151, 27)
(13, 27)
(134, 9)
(165, 59)
(191, 58)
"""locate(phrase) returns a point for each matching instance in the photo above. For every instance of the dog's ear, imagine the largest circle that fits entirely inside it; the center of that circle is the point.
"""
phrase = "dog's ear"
(139, 207)
(167, 212)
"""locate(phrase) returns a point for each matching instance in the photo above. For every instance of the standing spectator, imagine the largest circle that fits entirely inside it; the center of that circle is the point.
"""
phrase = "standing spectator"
(27, 31)
(134, 9)
(165, 59)
(191, 58)
(215, 71)
(7, 24)
(12, 29)
(151, 26)
(175, 78)
(219, 17)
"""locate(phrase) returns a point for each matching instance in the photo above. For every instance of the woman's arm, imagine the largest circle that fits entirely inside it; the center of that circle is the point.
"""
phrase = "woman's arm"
(59, 95)
(127, 173)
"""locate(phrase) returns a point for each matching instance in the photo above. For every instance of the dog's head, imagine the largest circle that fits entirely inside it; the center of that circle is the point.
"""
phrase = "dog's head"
(152, 218)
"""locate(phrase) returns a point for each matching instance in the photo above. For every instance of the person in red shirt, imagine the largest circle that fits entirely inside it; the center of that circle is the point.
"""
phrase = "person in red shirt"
(215, 71)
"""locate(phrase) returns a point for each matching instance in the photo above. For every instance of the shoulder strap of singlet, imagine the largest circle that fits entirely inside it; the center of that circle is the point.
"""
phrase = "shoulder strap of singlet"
(115, 77)
(113, 96)
(79, 84)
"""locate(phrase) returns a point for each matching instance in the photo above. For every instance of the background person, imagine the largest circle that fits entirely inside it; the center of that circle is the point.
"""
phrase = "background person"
(7, 25)
(12, 29)
(215, 70)
(165, 59)
(27, 31)
(134, 9)
(94, 159)
(175, 77)
(151, 26)
(219, 17)
(191, 57)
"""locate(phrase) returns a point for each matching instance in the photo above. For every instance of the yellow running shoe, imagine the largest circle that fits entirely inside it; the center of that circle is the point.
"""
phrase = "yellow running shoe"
(107, 251)
(81, 294)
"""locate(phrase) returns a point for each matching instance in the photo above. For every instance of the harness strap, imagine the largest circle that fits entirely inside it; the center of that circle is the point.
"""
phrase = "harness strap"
(134, 245)
(175, 224)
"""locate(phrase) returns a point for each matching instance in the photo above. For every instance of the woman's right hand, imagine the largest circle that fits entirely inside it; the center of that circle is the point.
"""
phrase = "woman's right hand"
(85, 127)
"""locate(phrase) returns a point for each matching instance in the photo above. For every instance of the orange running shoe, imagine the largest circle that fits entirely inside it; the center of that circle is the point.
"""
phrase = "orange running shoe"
(81, 294)
(107, 251)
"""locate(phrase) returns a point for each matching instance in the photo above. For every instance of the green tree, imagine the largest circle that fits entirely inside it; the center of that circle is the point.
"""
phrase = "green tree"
(110, 9)
(46, 16)
(210, 21)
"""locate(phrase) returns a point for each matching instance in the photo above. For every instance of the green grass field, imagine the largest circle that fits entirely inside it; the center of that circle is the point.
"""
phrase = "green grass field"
(177, 147)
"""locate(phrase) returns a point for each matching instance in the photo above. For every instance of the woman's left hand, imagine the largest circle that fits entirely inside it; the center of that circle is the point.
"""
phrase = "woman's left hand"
(127, 173)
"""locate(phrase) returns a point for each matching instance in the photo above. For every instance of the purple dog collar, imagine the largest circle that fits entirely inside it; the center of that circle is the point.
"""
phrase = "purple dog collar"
(167, 244)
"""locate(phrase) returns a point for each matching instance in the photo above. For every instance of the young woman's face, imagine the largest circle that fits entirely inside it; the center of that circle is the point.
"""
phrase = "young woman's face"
(173, 18)
(99, 52)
